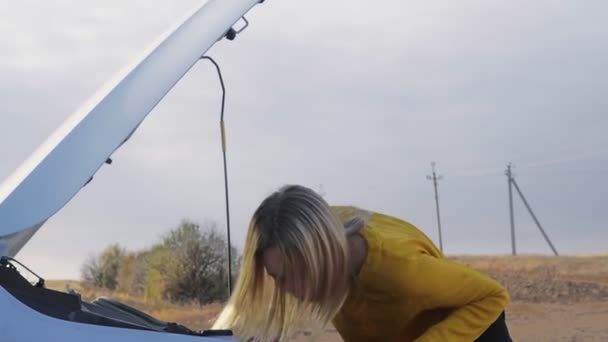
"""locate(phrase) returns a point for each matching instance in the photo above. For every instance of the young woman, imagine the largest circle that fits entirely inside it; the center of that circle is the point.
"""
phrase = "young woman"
(375, 277)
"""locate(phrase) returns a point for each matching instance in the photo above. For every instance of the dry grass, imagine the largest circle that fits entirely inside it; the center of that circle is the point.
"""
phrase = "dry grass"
(193, 316)
(543, 279)
(553, 298)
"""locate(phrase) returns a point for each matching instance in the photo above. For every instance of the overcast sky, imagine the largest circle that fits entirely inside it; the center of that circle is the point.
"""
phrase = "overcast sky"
(356, 95)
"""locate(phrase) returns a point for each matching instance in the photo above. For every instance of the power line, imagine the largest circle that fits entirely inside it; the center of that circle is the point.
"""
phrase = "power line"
(476, 172)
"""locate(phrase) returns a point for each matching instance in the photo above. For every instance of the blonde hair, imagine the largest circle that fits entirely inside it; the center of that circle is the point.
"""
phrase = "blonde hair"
(313, 243)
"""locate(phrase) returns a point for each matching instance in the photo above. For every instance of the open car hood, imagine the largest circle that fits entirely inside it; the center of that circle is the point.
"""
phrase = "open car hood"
(72, 155)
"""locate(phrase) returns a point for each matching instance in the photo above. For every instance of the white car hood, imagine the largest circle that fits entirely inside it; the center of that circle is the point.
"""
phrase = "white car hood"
(71, 156)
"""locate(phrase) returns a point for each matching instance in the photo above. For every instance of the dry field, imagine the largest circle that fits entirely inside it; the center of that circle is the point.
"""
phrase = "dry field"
(553, 298)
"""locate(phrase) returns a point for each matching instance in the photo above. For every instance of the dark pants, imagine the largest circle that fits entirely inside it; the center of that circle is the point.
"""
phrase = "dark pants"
(497, 332)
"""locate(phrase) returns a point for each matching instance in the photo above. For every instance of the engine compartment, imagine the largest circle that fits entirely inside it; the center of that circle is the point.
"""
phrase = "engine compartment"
(70, 306)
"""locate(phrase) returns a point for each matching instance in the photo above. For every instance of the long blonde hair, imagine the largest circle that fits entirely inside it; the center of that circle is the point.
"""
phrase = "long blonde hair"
(313, 243)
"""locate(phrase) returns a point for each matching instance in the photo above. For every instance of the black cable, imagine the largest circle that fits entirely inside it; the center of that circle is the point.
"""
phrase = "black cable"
(219, 72)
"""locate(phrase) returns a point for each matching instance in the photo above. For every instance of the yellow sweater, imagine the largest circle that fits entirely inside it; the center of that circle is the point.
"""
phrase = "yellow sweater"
(408, 291)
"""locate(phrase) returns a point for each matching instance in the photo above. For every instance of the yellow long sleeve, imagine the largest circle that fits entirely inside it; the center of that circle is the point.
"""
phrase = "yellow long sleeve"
(408, 291)
(440, 283)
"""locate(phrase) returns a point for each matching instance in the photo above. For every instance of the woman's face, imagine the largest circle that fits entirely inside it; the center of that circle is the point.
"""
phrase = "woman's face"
(273, 262)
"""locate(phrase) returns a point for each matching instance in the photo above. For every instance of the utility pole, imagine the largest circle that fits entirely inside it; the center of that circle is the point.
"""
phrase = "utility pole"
(513, 183)
(509, 174)
(534, 217)
(434, 177)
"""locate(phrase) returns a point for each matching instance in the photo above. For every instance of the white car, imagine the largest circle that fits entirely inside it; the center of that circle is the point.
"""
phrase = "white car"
(68, 160)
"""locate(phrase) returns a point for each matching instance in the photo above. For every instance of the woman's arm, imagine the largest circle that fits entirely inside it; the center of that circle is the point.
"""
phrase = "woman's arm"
(477, 299)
